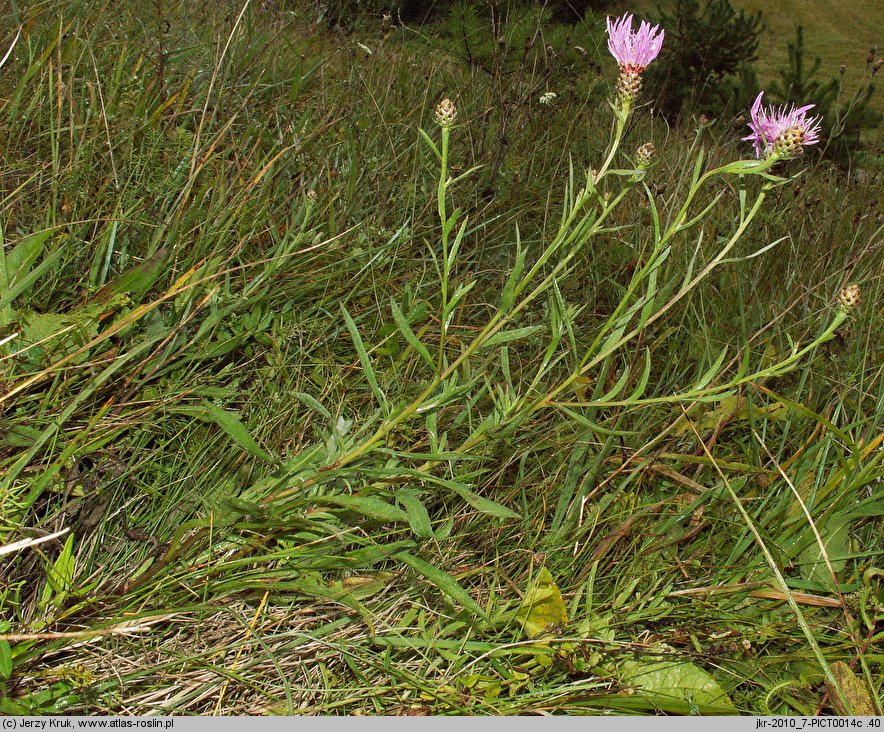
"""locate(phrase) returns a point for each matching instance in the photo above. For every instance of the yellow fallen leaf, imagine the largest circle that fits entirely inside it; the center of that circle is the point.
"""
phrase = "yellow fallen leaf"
(543, 607)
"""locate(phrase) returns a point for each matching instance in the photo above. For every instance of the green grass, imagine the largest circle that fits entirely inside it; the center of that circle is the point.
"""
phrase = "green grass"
(301, 471)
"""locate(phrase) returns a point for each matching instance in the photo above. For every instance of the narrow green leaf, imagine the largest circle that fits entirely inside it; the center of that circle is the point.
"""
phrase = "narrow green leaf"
(506, 336)
(139, 279)
(60, 576)
(643, 381)
(408, 334)
(418, 518)
(455, 247)
(478, 502)
(443, 581)
(230, 423)
(711, 371)
(369, 506)
(507, 297)
(313, 403)
(363, 357)
(594, 426)
(458, 295)
(5, 660)
(431, 144)
(616, 389)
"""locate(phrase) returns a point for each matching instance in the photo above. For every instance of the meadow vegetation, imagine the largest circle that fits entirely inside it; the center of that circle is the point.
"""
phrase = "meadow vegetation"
(310, 404)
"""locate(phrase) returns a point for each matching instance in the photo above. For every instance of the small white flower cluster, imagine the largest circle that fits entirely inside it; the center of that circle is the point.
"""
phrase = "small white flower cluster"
(548, 97)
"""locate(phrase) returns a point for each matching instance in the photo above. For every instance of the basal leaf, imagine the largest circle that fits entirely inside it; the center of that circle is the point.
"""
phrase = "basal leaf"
(676, 686)
(854, 688)
(836, 540)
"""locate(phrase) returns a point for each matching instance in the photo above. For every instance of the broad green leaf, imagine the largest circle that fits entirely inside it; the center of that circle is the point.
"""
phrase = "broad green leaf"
(836, 541)
(443, 581)
(677, 686)
(230, 423)
(24, 282)
(543, 608)
(139, 279)
(20, 259)
(369, 506)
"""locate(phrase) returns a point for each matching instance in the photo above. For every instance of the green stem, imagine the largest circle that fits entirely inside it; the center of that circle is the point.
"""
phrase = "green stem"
(443, 218)
(587, 364)
(615, 143)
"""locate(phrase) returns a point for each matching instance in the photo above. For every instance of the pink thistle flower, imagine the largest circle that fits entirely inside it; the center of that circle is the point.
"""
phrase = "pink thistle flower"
(780, 131)
(633, 51)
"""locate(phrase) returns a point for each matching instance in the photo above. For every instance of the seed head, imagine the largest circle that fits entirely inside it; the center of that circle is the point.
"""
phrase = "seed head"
(645, 155)
(446, 113)
(841, 69)
(876, 67)
(311, 197)
(849, 298)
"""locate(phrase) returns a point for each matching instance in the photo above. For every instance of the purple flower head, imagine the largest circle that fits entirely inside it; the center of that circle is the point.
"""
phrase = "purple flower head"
(780, 131)
(633, 51)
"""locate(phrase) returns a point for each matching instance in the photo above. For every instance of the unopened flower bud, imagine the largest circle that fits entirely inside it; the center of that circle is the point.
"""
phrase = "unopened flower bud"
(645, 155)
(849, 298)
(386, 25)
(788, 143)
(446, 113)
